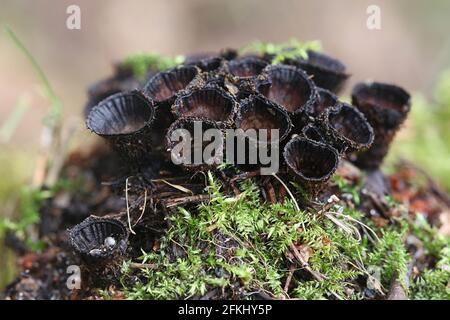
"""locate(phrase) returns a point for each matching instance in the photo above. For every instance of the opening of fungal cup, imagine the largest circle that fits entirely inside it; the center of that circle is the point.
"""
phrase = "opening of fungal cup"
(98, 237)
(246, 67)
(164, 85)
(259, 113)
(310, 160)
(120, 114)
(208, 103)
(289, 87)
(325, 99)
(351, 125)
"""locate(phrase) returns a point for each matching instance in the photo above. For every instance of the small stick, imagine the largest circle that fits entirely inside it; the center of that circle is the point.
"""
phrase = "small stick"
(128, 207)
(143, 209)
(271, 193)
(289, 279)
(180, 201)
(136, 265)
(316, 275)
(327, 206)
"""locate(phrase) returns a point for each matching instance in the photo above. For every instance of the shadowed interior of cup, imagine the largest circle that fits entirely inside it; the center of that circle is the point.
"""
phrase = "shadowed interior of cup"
(165, 85)
(350, 123)
(325, 99)
(289, 88)
(207, 103)
(259, 114)
(120, 114)
(383, 96)
(249, 67)
(310, 159)
(91, 233)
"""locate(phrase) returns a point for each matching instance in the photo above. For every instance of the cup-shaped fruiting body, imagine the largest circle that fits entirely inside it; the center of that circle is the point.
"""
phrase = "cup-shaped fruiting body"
(120, 82)
(259, 113)
(327, 72)
(246, 67)
(310, 163)
(347, 128)
(210, 102)
(262, 126)
(325, 99)
(195, 143)
(165, 85)
(125, 120)
(99, 239)
(386, 107)
(314, 132)
(288, 86)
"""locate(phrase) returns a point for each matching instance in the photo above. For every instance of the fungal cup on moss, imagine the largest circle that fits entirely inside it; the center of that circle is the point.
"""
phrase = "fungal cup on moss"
(289, 87)
(125, 121)
(309, 162)
(211, 102)
(348, 128)
(386, 107)
(165, 85)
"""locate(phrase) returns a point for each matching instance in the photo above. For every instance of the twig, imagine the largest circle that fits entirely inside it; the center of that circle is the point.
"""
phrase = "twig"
(136, 265)
(327, 206)
(128, 206)
(180, 201)
(316, 275)
(143, 209)
(289, 279)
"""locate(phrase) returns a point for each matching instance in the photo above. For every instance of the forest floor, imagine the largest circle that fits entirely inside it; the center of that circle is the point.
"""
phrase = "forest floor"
(228, 235)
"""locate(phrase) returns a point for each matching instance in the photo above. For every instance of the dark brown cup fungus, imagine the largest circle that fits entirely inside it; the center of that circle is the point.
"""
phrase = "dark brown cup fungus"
(192, 146)
(263, 125)
(246, 67)
(325, 99)
(125, 120)
(165, 85)
(162, 88)
(97, 239)
(327, 72)
(259, 113)
(288, 86)
(314, 132)
(210, 102)
(120, 82)
(310, 163)
(386, 107)
(347, 128)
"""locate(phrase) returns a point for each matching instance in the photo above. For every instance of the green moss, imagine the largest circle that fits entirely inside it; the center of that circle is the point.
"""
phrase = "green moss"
(141, 63)
(293, 49)
(243, 241)
(433, 283)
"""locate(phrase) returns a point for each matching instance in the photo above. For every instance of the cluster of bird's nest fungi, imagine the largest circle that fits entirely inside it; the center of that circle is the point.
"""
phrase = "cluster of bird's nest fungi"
(299, 97)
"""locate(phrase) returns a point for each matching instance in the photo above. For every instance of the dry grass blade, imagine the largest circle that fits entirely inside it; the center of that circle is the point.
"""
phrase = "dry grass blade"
(176, 186)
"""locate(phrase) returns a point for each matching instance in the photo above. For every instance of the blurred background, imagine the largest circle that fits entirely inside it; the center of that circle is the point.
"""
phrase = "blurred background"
(412, 49)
